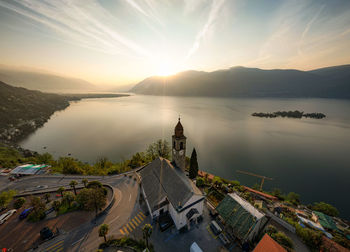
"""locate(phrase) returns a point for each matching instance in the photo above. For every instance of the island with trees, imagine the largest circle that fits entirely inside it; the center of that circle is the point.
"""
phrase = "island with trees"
(290, 114)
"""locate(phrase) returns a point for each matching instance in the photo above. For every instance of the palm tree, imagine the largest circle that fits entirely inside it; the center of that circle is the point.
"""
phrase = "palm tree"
(147, 231)
(61, 190)
(72, 184)
(103, 231)
(47, 197)
(85, 182)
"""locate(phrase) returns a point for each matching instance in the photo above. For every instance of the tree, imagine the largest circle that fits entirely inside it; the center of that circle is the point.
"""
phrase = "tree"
(68, 197)
(158, 149)
(200, 182)
(45, 158)
(325, 208)
(92, 199)
(193, 165)
(73, 183)
(69, 165)
(147, 231)
(19, 202)
(56, 205)
(47, 197)
(61, 190)
(103, 231)
(85, 182)
(293, 198)
(94, 184)
(38, 212)
(6, 197)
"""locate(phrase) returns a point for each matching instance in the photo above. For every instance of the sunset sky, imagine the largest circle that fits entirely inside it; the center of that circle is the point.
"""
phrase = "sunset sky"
(124, 41)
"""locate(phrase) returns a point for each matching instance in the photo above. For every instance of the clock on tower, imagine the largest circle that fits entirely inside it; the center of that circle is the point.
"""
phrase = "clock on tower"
(179, 147)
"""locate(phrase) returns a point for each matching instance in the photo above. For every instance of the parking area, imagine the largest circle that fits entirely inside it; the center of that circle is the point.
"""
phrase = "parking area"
(171, 240)
(21, 235)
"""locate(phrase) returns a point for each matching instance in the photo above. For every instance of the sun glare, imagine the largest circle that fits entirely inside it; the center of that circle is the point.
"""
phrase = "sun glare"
(165, 69)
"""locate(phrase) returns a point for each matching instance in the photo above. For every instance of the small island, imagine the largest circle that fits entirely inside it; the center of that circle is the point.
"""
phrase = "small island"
(290, 114)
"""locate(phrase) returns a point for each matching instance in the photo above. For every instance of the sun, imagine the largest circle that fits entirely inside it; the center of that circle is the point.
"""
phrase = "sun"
(164, 68)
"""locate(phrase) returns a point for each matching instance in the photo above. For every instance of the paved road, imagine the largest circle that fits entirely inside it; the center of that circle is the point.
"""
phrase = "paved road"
(85, 237)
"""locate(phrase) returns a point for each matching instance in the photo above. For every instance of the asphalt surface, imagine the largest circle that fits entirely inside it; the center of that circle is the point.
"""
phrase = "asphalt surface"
(85, 236)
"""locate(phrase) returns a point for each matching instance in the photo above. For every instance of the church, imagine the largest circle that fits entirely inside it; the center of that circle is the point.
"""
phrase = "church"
(166, 188)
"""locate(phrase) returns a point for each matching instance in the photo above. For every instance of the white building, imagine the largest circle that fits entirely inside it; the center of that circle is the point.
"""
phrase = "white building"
(166, 188)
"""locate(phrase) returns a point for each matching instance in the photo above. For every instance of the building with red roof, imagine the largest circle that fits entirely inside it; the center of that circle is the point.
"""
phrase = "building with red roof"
(268, 244)
(264, 195)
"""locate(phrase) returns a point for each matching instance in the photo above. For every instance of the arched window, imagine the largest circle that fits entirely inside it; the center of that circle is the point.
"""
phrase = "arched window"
(174, 144)
(181, 145)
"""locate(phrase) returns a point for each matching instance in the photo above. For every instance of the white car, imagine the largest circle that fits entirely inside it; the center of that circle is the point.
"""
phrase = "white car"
(7, 215)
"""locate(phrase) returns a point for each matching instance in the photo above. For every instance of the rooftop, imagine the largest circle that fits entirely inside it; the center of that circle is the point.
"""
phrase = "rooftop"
(160, 179)
(268, 244)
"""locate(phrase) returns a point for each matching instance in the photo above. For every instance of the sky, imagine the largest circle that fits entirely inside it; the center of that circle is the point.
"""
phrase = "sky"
(119, 42)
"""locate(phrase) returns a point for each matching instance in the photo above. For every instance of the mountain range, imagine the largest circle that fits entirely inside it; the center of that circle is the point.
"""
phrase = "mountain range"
(329, 82)
(42, 81)
(22, 111)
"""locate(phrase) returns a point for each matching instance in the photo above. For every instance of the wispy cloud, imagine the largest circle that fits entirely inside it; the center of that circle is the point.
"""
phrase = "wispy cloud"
(213, 15)
(87, 25)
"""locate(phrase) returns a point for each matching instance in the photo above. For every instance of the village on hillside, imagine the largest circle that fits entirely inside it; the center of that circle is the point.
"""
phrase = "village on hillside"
(162, 205)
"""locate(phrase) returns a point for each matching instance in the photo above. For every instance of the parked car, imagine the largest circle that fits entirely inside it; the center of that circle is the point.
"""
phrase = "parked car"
(25, 213)
(195, 248)
(46, 233)
(4, 217)
(224, 239)
(214, 226)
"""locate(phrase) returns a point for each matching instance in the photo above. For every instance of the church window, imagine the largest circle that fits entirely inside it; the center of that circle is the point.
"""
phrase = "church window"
(181, 145)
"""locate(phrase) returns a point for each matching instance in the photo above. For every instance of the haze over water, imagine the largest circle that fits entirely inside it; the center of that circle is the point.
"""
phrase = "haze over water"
(308, 156)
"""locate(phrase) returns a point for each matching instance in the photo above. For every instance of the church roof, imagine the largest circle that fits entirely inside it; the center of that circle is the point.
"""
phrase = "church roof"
(179, 130)
(161, 179)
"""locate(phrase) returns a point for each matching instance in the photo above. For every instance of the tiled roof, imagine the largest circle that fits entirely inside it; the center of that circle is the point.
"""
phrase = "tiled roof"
(325, 221)
(238, 214)
(267, 244)
(265, 195)
(161, 179)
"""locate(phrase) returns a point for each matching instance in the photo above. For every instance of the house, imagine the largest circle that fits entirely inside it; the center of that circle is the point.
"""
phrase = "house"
(28, 169)
(242, 220)
(166, 188)
(204, 174)
(268, 244)
(260, 194)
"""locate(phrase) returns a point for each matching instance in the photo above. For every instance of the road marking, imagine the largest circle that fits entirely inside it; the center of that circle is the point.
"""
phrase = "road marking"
(121, 231)
(55, 245)
(77, 241)
(126, 230)
(116, 218)
(59, 250)
(142, 214)
(131, 224)
(135, 222)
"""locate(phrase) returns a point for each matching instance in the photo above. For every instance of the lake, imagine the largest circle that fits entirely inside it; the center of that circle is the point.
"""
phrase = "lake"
(308, 156)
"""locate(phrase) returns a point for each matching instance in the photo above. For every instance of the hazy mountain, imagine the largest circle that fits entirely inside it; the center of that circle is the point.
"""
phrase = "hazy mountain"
(23, 110)
(252, 82)
(43, 81)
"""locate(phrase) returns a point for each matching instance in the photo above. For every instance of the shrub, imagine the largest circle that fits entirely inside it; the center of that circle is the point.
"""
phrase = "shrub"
(325, 208)
(200, 182)
(313, 239)
(283, 239)
(19, 202)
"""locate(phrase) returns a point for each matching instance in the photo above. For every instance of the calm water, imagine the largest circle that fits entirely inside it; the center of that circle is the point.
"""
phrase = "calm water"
(308, 156)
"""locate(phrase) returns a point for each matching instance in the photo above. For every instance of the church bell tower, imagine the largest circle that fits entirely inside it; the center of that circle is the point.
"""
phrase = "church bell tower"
(179, 147)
